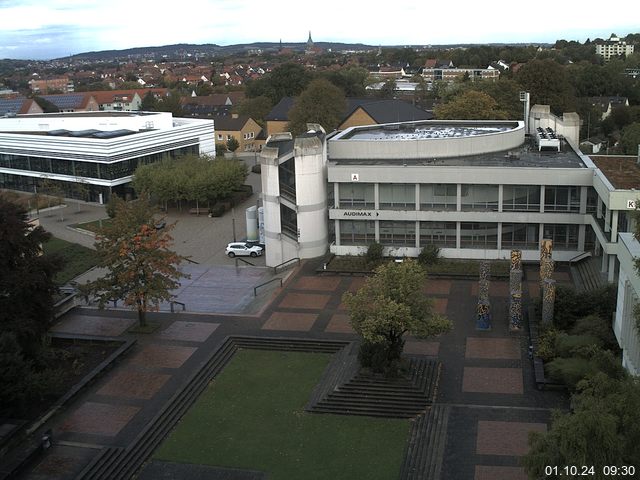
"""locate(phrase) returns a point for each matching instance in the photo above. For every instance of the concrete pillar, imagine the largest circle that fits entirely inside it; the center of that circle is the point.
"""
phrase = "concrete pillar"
(614, 226)
(336, 195)
(612, 268)
(605, 259)
(542, 188)
(458, 229)
(377, 231)
(459, 197)
(583, 200)
(417, 234)
(540, 233)
(500, 201)
(607, 221)
(337, 231)
(417, 196)
(582, 234)
(599, 208)
(499, 244)
(376, 197)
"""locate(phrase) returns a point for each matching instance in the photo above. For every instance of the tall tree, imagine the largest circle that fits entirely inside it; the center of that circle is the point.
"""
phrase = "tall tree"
(548, 83)
(603, 429)
(630, 139)
(149, 103)
(141, 269)
(470, 105)
(257, 108)
(26, 279)
(321, 102)
(390, 304)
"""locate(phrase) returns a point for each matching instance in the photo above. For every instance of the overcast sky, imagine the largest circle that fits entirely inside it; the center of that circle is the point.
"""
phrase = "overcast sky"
(44, 29)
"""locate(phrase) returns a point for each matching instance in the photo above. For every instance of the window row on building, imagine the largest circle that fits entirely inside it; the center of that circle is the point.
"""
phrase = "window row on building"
(446, 196)
(476, 235)
(84, 169)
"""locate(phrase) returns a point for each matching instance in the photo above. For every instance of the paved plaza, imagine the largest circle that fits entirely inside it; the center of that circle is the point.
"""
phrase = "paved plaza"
(486, 379)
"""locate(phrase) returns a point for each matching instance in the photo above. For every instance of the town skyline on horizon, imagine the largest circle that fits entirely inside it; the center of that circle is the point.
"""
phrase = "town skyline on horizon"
(64, 28)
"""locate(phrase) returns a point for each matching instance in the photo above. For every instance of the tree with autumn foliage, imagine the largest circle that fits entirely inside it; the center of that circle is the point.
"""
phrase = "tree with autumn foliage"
(141, 269)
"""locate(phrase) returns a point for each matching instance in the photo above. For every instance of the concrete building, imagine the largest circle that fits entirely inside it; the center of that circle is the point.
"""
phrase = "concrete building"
(613, 47)
(476, 189)
(624, 325)
(295, 196)
(100, 150)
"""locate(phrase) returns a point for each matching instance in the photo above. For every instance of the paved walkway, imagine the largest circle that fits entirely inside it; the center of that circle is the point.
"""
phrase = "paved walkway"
(486, 378)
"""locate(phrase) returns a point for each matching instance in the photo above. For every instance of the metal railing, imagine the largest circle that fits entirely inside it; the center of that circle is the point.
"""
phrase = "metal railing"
(286, 264)
(255, 289)
(172, 303)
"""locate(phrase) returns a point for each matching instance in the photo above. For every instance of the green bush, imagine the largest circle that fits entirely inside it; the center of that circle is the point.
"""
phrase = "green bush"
(374, 253)
(429, 255)
(571, 305)
(597, 327)
(111, 205)
(547, 344)
(569, 371)
(568, 345)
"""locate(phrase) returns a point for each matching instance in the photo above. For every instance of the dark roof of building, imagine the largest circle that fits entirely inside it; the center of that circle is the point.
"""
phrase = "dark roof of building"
(623, 171)
(388, 111)
(229, 122)
(284, 146)
(382, 111)
(68, 100)
(12, 105)
(280, 112)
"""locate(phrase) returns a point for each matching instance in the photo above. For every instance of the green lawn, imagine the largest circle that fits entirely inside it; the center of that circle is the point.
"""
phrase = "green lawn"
(251, 417)
(76, 258)
(93, 226)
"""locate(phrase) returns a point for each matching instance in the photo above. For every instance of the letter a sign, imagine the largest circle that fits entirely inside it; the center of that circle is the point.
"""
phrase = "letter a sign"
(355, 177)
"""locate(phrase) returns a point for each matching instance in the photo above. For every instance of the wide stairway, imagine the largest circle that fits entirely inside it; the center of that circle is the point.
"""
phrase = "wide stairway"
(586, 274)
(375, 395)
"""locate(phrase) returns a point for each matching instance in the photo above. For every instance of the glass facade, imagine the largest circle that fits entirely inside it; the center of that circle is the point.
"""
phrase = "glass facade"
(97, 170)
(479, 197)
(289, 221)
(520, 235)
(565, 237)
(399, 234)
(562, 199)
(521, 198)
(287, 176)
(479, 235)
(354, 232)
(441, 234)
(357, 196)
(438, 196)
(397, 196)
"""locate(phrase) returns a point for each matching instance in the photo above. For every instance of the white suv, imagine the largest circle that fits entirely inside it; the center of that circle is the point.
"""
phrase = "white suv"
(243, 249)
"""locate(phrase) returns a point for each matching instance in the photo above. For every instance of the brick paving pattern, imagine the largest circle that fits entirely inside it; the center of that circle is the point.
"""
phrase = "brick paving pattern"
(492, 380)
(99, 419)
(297, 322)
(505, 438)
(478, 370)
(339, 323)
(437, 287)
(157, 355)
(317, 283)
(189, 331)
(304, 300)
(133, 384)
(494, 348)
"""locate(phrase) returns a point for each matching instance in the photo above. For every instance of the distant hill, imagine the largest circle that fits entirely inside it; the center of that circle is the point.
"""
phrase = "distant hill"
(212, 49)
(182, 49)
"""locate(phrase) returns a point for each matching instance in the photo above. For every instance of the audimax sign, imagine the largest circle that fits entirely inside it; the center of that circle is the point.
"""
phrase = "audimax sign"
(359, 213)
